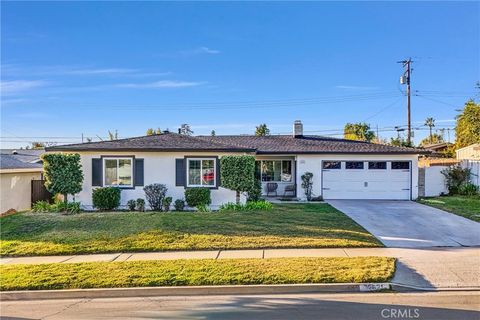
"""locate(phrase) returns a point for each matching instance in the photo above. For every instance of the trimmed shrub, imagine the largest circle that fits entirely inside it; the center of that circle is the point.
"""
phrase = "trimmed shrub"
(107, 198)
(167, 201)
(237, 173)
(63, 173)
(140, 204)
(255, 193)
(196, 197)
(131, 204)
(155, 193)
(179, 205)
(307, 184)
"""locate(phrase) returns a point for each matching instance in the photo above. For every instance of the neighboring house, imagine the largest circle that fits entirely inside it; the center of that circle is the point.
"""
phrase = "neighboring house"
(438, 149)
(470, 158)
(342, 169)
(17, 169)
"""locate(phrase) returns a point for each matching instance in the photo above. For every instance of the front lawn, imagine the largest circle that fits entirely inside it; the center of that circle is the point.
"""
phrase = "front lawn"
(468, 207)
(195, 273)
(286, 226)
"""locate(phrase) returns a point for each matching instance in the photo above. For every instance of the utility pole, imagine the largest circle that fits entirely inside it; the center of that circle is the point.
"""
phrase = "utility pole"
(405, 79)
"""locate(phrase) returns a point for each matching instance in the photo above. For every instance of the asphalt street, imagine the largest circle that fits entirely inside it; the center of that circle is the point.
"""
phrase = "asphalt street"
(423, 305)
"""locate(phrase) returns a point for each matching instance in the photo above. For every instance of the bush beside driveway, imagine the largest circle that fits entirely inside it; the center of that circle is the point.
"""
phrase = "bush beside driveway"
(286, 226)
(465, 206)
(196, 273)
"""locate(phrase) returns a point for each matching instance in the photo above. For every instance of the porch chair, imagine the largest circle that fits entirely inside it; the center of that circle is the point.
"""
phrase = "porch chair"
(289, 188)
(271, 188)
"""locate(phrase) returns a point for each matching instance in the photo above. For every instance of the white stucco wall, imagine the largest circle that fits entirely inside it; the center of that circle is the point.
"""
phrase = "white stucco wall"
(312, 163)
(159, 167)
(435, 181)
(15, 190)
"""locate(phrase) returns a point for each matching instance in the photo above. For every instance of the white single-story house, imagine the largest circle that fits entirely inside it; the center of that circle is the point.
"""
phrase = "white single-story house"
(342, 169)
(17, 170)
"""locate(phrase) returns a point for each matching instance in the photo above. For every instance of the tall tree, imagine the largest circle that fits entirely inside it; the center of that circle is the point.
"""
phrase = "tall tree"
(213, 133)
(262, 130)
(430, 123)
(358, 131)
(467, 129)
(158, 131)
(185, 129)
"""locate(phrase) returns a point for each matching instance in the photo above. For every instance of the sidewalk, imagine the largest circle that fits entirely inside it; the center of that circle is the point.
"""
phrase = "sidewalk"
(420, 267)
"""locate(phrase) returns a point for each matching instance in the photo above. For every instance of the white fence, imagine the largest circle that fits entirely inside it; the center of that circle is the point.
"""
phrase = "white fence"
(435, 181)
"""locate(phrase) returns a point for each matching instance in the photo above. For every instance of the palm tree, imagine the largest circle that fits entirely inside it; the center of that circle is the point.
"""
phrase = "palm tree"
(430, 123)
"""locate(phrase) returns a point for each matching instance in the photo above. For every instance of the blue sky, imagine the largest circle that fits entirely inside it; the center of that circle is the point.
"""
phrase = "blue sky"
(90, 67)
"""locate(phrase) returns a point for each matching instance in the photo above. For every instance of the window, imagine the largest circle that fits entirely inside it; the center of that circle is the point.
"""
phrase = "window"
(354, 165)
(400, 165)
(201, 173)
(332, 165)
(118, 172)
(274, 170)
(377, 165)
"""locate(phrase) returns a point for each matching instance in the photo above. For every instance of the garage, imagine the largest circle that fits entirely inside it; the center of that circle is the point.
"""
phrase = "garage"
(372, 179)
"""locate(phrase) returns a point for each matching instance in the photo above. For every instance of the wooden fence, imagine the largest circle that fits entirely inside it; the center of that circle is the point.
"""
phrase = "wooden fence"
(39, 192)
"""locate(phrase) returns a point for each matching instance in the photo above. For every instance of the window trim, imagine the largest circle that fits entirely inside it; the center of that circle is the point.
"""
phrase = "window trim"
(408, 162)
(123, 186)
(336, 161)
(362, 162)
(187, 166)
(292, 165)
(374, 161)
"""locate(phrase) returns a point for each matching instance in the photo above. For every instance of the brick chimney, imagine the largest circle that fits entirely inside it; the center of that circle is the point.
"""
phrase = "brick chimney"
(297, 129)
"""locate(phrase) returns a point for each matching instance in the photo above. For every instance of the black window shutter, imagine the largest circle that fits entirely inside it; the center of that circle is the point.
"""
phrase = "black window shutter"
(180, 172)
(218, 172)
(138, 172)
(97, 172)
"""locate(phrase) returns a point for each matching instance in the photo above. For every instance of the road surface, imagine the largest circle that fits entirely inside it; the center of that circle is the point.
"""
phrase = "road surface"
(436, 305)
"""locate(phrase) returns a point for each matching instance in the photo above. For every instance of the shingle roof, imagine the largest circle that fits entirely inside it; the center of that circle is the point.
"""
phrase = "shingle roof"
(276, 144)
(24, 155)
(8, 161)
(163, 142)
(309, 144)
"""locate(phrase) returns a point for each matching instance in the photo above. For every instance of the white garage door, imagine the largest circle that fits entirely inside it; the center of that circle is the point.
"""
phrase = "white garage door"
(366, 180)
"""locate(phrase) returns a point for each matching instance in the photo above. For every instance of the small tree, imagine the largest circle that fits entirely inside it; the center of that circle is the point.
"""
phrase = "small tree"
(238, 173)
(307, 184)
(262, 130)
(63, 173)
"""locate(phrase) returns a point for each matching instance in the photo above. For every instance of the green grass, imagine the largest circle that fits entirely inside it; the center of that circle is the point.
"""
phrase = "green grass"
(195, 272)
(468, 207)
(286, 226)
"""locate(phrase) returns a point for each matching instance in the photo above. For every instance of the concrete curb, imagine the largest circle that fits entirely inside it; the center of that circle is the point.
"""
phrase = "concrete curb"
(404, 287)
(191, 291)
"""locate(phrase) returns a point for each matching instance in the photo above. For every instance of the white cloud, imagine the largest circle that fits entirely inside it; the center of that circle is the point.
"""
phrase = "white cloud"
(198, 51)
(16, 86)
(100, 71)
(161, 84)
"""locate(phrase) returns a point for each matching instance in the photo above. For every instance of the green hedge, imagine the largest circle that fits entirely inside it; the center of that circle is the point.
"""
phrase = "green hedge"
(106, 198)
(197, 197)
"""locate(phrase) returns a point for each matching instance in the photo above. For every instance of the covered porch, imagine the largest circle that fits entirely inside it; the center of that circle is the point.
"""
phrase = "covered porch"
(277, 175)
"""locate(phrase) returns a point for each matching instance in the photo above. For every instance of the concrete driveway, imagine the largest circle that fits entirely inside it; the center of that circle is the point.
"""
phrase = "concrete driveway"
(410, 224)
